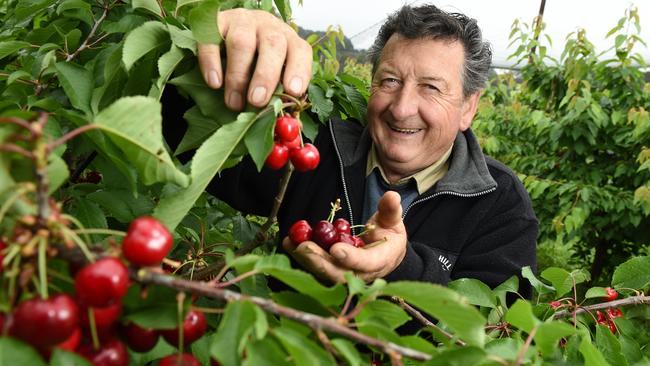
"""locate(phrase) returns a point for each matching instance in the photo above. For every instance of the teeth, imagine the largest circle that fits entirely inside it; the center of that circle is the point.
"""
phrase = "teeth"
(405, 130)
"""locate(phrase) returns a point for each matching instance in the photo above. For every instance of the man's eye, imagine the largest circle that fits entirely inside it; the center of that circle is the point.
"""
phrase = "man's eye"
(431, 87)
(389, 82)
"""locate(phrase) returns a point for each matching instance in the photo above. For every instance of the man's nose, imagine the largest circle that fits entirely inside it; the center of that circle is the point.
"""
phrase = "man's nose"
(405, 104)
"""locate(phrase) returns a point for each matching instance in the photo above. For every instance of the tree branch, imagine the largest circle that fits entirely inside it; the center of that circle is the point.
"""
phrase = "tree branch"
(17, 149)
(70, 135)
(312, 320)
(85, 43)
(422, 319)
(632, 300)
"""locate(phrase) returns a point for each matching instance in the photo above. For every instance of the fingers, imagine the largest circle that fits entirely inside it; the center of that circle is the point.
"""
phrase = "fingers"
(315, 260)
(298, 69)
(210, 64)
(389, 210)
(272, 50)
(375, 259)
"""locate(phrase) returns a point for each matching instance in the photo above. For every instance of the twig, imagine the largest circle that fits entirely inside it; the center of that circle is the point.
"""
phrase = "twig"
(524, 348)
(312, 320)
(325, 341)
(17, 121)
(236, 279)
(70, 135)
(261, 235)
(422, 319)
(632, 300)
(9, 147)
(85, 45)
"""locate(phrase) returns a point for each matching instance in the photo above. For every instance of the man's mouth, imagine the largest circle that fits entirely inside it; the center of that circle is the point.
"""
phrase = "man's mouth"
(408, 131)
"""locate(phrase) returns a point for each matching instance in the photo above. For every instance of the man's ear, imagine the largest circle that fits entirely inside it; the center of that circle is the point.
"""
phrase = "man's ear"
(470, 106)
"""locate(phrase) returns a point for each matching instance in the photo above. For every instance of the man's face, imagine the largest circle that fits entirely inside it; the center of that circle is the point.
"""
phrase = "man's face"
(416, 105)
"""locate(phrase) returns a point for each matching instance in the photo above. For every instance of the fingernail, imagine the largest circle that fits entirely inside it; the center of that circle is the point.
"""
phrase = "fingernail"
(235, 100)
(259, 94)
(295, 85)
(340, 254)
(213, 79)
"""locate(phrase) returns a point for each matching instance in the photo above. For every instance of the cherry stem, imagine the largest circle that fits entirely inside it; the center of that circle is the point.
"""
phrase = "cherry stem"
(335, 207)
(145, 276)
(108, 232)
(180, 298)
(236, 279)
(22, 189)
(42, 266)
(17, 121)
(93, 328)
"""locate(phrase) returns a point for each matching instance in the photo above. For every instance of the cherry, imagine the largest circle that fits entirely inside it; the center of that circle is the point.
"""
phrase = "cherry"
(147, 242)
(341, 225)
(102, 283)
(358, 242)
(305, 158)
(295, 144)
(105, 316)
(600, 317)
(194, 326)
(287, 128)
(611, 294)
(3, 246)
(184, 359)
(45, 322)
(300, 231)
(139, 339)
(111, 353)
(612, 326)
(278, 156)
(614, 313)
(72, 342)
(555, 304)
(324, 234)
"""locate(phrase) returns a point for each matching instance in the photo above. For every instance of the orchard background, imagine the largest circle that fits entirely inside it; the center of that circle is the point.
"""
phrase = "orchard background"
(83, 157)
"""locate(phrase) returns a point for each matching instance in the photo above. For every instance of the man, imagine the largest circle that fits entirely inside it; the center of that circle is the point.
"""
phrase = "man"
(444, 210)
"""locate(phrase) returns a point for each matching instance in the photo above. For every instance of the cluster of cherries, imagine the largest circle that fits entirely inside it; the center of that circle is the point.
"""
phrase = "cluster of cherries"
(288, 146)
(67, 323)
(326, 232)
(603, 318)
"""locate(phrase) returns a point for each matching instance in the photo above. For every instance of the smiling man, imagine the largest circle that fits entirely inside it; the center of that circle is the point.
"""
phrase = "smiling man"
(442, 209)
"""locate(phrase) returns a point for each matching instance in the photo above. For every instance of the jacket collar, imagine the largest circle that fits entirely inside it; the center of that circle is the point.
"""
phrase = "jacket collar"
(468, 172)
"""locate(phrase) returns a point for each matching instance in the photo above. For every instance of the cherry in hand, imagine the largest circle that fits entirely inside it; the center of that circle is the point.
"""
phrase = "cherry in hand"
(300, 231)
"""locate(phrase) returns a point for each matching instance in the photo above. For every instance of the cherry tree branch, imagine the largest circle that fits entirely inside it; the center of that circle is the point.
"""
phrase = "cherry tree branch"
(632, 300)
(260, 237)
(314, 321)
(423, 320)
(86, 42)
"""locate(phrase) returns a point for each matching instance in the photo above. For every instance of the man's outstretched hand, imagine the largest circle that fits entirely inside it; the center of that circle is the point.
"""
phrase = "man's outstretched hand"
(385, 249)
(251, 34)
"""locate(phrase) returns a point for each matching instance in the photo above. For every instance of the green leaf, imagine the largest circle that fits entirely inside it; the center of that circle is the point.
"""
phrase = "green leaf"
(610, 346)
(64, 358)
(135, 125)
(210, 102)
(505, 348)
(207, 162)
(348, 351)
(592, 355)
(182, 38)
(237, 323)
(303, 351)
(444, 304)
(259, 139)
(199, 129)
(634, 273)
(595, 292)
(466, 356)
(140, 41)
(121, 204)
(181, 3)
(540, 286)
(476, 291)
(90, 215)
(162, 316)
(521, 316)
(309, 127)
(300, 302)
(510, 285)
(203, 22)
(149, 5)
(549, 334)
(166, 65)
(306, 284)
(284, 8)
(57, 171)
(320, 103)
(265, 352)
(564, 281)
(391, 313)
(10, 47)
(77, 83)
(13, 352)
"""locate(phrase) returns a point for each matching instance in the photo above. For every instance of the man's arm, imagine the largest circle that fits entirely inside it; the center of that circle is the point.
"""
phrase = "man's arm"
(249, 35)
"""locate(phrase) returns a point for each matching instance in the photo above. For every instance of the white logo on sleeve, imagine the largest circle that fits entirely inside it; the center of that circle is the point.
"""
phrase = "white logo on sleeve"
(446, 263)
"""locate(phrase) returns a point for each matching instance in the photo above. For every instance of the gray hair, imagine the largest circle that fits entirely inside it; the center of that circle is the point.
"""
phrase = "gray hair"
(428, 21)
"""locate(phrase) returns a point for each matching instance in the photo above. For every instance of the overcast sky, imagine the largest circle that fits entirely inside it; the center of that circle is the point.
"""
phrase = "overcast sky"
(360, 19)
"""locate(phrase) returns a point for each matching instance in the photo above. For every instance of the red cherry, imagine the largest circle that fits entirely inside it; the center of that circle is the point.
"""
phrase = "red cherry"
(295, 144)
(358, 242)
(278, 156)
(341, 225)
(612, 326)
(611, 294)
(102, 283)
(346, 238)
(44, 323)
(600, 317)
(614, 313)
(194, 326)
(324, 234)
(139, 339)
(105, 317)
(147, 242)
(111, 353)
(555, 304)
(287, 128)
(305, 158)
(72, 342)
(300, 231)
(3, 246)
(184, 359)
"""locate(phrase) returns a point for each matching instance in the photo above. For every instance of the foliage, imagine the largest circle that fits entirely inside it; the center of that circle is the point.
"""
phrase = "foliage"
(83, 156)
(571, 129)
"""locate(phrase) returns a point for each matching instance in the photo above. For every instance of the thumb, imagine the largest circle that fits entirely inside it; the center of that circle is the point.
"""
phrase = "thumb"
(389, 210)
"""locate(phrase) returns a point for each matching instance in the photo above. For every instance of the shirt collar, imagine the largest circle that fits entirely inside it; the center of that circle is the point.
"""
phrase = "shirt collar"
(424, 179)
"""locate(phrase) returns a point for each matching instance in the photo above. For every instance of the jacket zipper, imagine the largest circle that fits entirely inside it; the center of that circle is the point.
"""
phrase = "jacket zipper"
(465, 195)
(345, 186)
